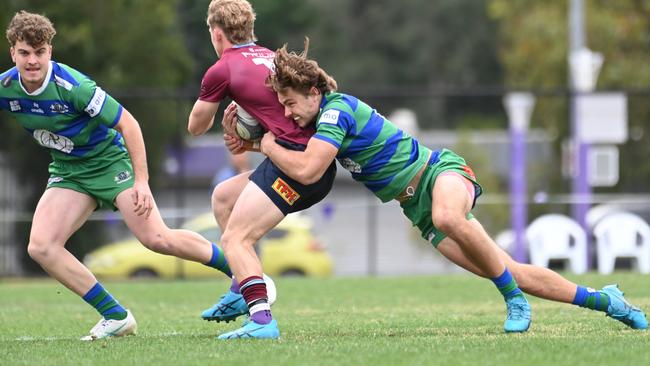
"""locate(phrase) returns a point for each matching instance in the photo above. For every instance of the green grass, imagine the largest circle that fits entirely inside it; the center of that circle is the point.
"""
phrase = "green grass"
(442, 320)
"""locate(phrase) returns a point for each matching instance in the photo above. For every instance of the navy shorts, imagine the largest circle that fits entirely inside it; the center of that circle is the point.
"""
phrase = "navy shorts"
(287, 194)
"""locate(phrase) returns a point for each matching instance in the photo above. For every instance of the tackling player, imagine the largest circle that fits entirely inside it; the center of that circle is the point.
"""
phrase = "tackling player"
(436, 189)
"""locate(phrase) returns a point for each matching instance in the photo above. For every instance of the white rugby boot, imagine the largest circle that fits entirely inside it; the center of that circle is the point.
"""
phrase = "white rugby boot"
(106, 328)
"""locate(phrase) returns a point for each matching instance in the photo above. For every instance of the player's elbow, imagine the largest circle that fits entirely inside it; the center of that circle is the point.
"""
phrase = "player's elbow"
(305, 180)
(193, 130)
(197, 124)
(308, 176)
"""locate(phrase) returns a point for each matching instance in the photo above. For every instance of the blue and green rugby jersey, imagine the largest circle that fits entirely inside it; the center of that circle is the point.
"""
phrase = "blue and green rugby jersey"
(69, 114)
(376, 152)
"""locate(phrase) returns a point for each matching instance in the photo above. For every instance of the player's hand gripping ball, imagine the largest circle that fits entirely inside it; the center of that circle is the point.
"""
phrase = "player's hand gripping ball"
(248, 128)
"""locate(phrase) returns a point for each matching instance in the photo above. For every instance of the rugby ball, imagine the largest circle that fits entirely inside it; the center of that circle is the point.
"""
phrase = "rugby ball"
(248, 128)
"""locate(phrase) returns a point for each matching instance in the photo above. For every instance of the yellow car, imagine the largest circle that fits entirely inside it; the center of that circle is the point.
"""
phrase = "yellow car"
(290, 249)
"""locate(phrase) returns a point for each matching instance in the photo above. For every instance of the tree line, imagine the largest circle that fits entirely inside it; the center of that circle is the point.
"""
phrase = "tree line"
(420, 54)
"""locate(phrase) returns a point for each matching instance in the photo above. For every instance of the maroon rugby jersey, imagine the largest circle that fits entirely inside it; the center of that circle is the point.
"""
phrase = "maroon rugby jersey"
(241, 74)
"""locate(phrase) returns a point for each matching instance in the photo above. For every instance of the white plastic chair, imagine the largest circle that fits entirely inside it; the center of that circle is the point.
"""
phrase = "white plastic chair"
(622, 235)
(555, 236)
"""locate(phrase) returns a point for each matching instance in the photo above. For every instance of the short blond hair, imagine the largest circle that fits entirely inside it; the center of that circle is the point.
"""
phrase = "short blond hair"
(34, 29)
(235, 17)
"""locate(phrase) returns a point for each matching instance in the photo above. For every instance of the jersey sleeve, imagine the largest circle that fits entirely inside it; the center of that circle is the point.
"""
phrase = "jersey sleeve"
(96, 103)
(215, 84)
(6, 78)
(333, 125)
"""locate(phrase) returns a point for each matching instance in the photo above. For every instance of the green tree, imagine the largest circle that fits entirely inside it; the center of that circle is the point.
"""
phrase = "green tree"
(409, 47)
(534, 51)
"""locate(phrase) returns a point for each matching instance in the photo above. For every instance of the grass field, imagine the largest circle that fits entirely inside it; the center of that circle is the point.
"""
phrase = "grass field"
(442, 320)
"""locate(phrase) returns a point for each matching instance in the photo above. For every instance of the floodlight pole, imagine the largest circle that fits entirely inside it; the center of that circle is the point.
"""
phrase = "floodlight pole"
(584, 66)
(519, 107)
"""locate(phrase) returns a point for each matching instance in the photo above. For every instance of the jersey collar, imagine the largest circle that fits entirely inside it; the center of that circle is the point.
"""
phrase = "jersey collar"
(243, 45)
(45, 81)
(323, 101)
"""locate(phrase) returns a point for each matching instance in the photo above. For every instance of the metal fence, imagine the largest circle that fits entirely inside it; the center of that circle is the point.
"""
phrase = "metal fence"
(361, 233)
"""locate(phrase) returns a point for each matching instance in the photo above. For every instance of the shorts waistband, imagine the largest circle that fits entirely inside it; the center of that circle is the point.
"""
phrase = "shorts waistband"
(412, 186)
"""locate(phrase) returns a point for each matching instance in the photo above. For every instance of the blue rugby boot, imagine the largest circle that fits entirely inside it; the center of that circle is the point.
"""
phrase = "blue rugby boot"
(518, 319)
(230, 307)
(251, 329)
(622, 310)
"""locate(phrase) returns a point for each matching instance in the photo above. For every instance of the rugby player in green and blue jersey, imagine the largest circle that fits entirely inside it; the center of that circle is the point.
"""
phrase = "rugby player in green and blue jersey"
(98, 160)
(435, 189)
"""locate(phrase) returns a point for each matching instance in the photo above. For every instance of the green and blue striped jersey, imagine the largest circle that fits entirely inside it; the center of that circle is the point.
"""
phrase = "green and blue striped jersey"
(376, 152)
(69, 114)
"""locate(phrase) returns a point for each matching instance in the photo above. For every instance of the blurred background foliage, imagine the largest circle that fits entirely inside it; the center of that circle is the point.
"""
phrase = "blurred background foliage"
(533, 44)
(449, 60)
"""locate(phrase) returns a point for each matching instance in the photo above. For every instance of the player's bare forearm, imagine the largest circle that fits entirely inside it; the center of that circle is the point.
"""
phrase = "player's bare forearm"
(130, 130)
(307, 166)
(292, 163)
(141, 193)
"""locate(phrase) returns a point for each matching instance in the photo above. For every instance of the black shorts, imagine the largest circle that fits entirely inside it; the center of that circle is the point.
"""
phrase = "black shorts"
(287, 194)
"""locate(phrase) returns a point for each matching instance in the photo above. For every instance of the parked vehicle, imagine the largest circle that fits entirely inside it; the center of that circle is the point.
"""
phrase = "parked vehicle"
(290, 249)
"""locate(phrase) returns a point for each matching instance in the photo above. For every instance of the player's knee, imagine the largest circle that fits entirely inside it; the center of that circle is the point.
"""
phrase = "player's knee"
(156, 242)
(220, 197)
(221, 203)
(230, 242)
(227, 242)
(446, 220)
(39, 250)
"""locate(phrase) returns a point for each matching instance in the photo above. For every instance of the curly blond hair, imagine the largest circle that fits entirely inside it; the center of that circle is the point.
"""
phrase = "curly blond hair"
(34, 29)
(299, 73)
(235, 17)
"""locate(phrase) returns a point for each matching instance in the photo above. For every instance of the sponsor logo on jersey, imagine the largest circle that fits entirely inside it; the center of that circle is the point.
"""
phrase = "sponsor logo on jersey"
(59, 108)
(14, 105)
(62, 83)
(36, 108)
(122, 177)
(330, 116)
(350, 165)
(285, 191)
(53, 141)
(53, 180)
(6, 82)
(96, 102)
(431, 236)
(258, 54)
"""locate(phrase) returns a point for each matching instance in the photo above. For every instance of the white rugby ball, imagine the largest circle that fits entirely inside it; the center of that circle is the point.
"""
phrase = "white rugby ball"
(248, 128)
(271, 291)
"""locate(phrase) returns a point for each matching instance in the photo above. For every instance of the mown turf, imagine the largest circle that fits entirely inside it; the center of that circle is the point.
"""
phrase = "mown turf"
(441, 320)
